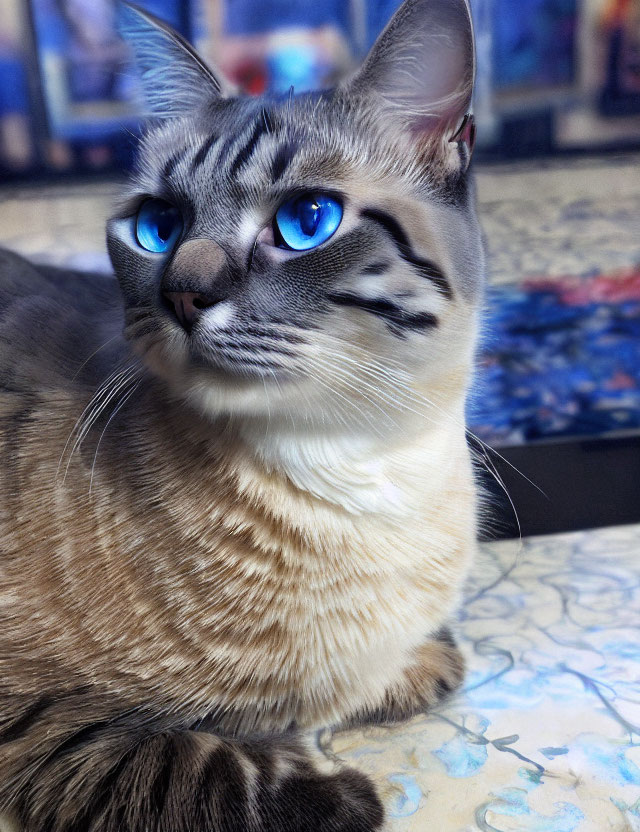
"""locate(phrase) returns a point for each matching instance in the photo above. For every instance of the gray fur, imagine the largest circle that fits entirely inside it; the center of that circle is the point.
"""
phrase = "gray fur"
(173, 77)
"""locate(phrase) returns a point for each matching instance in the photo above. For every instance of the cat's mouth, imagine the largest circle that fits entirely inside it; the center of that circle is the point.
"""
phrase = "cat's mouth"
(220, 340)
(232, 354)
(249, 351)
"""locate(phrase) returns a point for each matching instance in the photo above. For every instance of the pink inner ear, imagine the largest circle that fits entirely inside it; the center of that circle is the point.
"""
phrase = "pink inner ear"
(420, 125)
(466, 133)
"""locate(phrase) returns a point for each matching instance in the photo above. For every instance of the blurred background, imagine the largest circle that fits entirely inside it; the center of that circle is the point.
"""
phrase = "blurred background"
(554, 75)
(557, 104)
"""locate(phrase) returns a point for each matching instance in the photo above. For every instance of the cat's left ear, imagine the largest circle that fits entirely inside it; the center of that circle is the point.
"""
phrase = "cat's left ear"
(420, 72)
(175, 80)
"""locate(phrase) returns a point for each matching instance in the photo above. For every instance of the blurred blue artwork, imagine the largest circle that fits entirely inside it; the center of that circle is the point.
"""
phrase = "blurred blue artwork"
(560, 357)
(246, 17)
(87, 92)
(13, 82)
(534, 42)
(293, 66)
(15, 138)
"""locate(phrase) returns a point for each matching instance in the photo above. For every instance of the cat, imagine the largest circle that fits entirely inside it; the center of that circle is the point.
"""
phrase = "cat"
(237, 499)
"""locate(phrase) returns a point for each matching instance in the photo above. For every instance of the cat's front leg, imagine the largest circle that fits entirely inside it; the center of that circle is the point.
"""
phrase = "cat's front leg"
(436, 670)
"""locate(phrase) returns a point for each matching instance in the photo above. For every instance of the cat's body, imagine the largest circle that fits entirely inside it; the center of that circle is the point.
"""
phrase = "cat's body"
(174, 549)
(267, 525)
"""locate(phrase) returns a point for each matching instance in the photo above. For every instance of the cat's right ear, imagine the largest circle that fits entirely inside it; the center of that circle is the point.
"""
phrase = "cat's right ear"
(175, 80)
(420, 71)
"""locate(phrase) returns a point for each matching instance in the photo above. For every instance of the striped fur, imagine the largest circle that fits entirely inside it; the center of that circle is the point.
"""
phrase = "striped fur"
(85, 767)
(217, 539)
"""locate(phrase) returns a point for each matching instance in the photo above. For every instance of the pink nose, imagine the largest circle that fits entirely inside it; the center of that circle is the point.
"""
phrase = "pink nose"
(188, 306)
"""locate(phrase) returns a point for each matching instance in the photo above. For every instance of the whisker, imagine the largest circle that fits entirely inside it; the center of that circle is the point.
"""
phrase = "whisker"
(99, 406)
(94, 353)
(383, 394)
(116, 410)
(350, 403)
(372, 366)
(96, 395)
(491, 468)
(489, 448)
(344, 376)
(100, 400)
(379, 373)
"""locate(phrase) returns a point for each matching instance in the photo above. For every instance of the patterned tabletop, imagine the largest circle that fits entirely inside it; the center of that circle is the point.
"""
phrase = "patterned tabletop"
(545, 736)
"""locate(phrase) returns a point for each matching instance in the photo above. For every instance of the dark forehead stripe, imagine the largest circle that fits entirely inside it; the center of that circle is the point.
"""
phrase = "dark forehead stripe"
(282, 160)
(203, 152)
(246, 151)
(396, 318)
(170, 164)
(427, 268)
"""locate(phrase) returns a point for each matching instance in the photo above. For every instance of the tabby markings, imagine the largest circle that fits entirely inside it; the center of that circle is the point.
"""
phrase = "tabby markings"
(170, 164)
(282, 160)
(245, 153)
(376, 268)
(19, 726)
(396, 318)
(427, 268)
(203, 152)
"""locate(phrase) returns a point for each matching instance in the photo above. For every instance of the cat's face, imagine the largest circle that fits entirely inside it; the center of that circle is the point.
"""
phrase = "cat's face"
(314, 258)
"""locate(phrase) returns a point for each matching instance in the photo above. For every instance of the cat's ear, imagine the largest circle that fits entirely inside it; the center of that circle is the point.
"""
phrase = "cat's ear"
(421, 68)
(175, 80)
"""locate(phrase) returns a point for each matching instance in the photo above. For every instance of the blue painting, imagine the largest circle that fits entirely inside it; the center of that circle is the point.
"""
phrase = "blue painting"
(534, 43)
(88, 94)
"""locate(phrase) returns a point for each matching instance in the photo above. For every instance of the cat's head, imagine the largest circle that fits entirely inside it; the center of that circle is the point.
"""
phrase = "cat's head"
(314, 258)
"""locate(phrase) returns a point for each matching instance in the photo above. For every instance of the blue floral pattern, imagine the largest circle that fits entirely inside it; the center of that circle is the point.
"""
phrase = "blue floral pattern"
(545, 736)
(559, 357)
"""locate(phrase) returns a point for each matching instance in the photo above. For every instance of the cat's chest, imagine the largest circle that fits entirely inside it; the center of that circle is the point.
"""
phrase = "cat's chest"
(238, 588)
(255, 614)
(235, 558)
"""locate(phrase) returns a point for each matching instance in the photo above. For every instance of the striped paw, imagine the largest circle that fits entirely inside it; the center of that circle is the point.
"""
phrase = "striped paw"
(186, 781)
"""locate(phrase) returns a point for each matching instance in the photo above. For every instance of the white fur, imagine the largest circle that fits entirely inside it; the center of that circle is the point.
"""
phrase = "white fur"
(362, 473)
(220, 315)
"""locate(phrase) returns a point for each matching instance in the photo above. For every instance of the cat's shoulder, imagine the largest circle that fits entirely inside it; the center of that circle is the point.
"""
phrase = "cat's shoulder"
(52, 318)
(21, 278)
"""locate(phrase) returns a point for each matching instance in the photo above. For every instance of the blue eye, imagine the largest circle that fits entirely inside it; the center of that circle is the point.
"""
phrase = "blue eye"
(158, 225)
(306, 221)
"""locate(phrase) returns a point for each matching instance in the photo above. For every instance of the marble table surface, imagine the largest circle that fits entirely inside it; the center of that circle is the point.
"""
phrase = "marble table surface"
(545, 735)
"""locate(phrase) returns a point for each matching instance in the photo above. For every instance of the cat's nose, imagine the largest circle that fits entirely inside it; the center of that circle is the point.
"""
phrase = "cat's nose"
(189, 305)
(197, 278)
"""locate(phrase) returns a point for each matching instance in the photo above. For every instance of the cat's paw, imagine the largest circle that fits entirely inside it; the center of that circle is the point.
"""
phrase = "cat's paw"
(187, 781)
(436, 671)
(341, 802)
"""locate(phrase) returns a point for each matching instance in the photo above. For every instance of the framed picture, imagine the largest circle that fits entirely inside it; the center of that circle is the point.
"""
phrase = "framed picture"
(88, 95)
(606, 111)
(67, 98)
(17, 151)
